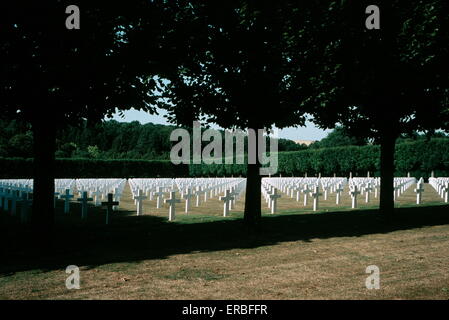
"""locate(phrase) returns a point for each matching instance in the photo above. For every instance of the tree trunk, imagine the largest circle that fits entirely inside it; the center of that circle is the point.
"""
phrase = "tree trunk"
(253, 211)
(387, 147)
(44, 135)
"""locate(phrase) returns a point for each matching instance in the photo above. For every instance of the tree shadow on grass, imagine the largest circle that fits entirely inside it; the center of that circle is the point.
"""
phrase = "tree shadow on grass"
(132, 239)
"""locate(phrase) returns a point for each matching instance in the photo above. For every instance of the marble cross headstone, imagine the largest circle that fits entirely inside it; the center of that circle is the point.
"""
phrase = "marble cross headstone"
(67, 196)
(117, 196)
(338, 192)
(445, 190)
(298, 193)
(306, 192)
(84, 200)
(234, 195)
(368, 190)
(326, 190)
(97, 196)
(159, 194)
(396, 191)
(227, 198)
(274, 200)
(109, 205)
(419, 190)
(172, 202)
(187, 195)
(198, 193)
(354, 193)
(139, 198)
(316, 195)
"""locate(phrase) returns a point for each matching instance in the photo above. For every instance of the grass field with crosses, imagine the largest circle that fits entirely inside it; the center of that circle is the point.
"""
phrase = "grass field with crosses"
(294, 254)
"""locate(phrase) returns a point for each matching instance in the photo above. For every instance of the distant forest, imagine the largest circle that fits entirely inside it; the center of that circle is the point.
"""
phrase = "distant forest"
(132, 140)
(108, 140)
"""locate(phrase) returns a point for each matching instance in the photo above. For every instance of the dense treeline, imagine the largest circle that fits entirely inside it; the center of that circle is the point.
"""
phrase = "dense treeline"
(107, 140)
(132, 140)
(419, 158)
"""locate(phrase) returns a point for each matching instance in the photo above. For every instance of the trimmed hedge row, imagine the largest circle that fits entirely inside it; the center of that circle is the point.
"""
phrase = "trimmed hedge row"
(419, 158)
(339, 160)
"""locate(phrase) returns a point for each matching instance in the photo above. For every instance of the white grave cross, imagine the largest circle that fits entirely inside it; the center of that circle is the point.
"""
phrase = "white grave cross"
(187, 195)
(84, 199)
(274, 200)
(316, 195)
(159, 194)
(338, 192)
(227, 200)
(419, 190)
(139, 198)
(354, 193)
(67, 196)
(109, 206)
(172, 202)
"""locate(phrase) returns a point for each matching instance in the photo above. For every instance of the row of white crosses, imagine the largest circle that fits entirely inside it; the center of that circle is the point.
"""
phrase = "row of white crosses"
(309, 187)
(96, 190)
(14, 192)
(99, 191)
(271, 195)
(189, 188)
(322, 186)
(64, 189)
(21, 190)
(441, 186)
(419, 190)
(229, 189)
(142, 189)
(204, 188)
(231, 195)
(151, 187)
(364, 186)
(207, 188)
(401, 185)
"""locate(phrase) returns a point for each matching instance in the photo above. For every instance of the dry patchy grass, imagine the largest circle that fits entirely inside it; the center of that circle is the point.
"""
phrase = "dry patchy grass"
(294, 255)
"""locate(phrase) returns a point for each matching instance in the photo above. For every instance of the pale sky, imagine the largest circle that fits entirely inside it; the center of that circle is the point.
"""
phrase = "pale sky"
(309, 132)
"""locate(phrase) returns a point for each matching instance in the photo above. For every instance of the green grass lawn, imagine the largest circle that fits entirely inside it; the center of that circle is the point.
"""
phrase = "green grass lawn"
(296, 254)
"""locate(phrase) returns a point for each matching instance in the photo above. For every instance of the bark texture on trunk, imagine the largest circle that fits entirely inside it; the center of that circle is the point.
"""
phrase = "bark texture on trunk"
(387, 168)
(44, 135)
(253, 211)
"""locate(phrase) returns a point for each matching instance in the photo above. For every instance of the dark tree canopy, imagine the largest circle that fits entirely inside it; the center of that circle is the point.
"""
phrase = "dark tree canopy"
(381, 83)
(237, 72)
(110, 63)
(339, 137)
(393, 79)
(52, 76)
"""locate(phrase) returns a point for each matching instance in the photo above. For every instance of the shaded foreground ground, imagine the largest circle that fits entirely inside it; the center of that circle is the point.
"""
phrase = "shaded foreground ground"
(305, 256)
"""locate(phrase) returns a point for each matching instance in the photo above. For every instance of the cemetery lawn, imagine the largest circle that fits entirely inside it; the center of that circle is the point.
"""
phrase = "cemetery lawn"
(290, 256)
